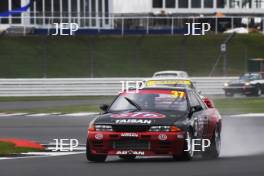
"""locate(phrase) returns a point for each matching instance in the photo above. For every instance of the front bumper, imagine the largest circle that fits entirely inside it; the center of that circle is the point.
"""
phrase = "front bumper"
(139, 144)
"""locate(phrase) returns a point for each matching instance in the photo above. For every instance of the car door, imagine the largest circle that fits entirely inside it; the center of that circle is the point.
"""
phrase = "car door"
(199, 117)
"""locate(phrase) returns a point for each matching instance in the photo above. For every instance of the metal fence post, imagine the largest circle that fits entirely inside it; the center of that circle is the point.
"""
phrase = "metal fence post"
(263, 25)
(122, 21)
(172, 26)
(232, 22)
(147, 30)
(216, 25)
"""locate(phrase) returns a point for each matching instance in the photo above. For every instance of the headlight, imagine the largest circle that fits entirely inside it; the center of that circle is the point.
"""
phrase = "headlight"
(103, 128)
(226, 84)
(247, 84)
(164, 129)
(91, 126)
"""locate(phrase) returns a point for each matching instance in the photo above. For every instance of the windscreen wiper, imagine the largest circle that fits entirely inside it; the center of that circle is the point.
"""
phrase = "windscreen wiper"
(133, 103)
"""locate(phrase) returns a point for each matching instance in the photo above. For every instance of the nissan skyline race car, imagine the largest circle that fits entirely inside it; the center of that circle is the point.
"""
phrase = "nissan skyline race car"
(178, 82)
(154, 122)
(249, 84)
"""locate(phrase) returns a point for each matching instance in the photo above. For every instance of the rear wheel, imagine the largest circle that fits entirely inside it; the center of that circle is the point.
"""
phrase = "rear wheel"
(92, 157)
(187, 155)
(258, 91)
(127, 157)
(213, 151)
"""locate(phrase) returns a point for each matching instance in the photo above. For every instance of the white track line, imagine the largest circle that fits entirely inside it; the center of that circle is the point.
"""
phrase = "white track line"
(41, 155)
(248, 115)
(12, 114)
(40, 114)
(80, 114)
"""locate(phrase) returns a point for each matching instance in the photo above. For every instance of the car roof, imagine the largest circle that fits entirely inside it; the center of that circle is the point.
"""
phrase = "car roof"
(167, 78)
(170, 71)
(178, 72)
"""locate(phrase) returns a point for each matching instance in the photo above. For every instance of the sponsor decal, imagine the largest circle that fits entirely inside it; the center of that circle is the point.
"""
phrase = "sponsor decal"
(163, 137)
(133, 121)
(99, 136)
(129, 135)
(178, 94)
(151, 83)
(130, 152)
(139, 115)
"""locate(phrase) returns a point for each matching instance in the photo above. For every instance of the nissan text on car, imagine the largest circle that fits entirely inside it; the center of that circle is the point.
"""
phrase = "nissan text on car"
(154, 122)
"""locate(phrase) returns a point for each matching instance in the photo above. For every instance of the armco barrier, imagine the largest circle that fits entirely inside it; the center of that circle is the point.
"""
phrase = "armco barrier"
(91, 86)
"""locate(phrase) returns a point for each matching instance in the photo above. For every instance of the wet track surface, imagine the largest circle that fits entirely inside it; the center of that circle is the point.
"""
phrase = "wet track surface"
(242, 151)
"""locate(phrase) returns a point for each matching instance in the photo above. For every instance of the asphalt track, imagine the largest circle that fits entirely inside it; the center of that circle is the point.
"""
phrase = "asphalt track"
(242, 151)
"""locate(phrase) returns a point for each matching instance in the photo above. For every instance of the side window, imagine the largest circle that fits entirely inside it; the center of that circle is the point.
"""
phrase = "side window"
(262, 76)
(201, 101)
(193, 100)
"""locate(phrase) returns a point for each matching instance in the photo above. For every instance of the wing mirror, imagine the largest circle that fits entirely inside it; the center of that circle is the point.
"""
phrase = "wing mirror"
(195, 109)
(209, 102)
(104, 107)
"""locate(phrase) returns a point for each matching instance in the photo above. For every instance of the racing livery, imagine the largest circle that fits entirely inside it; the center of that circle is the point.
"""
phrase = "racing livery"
(249, 84)
(154, 122)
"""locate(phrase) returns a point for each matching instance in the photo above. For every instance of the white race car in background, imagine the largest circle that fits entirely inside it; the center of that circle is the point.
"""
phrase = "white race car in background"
(170, 73)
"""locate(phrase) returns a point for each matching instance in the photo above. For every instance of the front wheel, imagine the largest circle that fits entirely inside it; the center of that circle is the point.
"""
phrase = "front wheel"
(188, 152)
(92, 157)
(213, 151)
(258, 91)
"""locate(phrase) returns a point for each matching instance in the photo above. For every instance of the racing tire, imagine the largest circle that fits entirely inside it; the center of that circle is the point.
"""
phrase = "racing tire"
(213, 151)
(92, 157)
(127, 157)
(186, 155)
(229, 94)
(258, 91)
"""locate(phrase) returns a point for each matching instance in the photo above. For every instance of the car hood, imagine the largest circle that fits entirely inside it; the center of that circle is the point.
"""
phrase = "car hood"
(142, 118)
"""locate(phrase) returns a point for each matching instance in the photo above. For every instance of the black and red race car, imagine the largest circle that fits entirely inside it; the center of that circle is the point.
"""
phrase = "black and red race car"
(154, 122)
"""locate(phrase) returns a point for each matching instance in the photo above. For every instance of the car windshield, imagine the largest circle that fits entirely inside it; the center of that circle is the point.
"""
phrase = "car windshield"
(249, 76)
(173, 100)
(166, 75)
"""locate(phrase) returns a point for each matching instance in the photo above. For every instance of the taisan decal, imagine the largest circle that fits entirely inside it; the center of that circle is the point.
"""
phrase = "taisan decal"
(130, 152)
(133, 121)
(17, 11)
(129, 135)
(139, 115)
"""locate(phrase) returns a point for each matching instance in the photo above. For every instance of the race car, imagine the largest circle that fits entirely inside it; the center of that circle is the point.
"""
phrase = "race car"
(249, 84)
(154, 122)
(178, 82)
(170, 73)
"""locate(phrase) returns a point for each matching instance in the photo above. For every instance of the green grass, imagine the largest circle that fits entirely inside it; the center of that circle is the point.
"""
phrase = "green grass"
(18, 99)
(240, 105)
(7, 149)
(63, 109)
(130, 56)
(225, 106)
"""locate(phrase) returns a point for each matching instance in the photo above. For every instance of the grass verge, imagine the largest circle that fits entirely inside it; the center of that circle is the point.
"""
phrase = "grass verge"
(225, 106)
(7, 149)
(240, 105)
(123, 56)
(17, 99)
